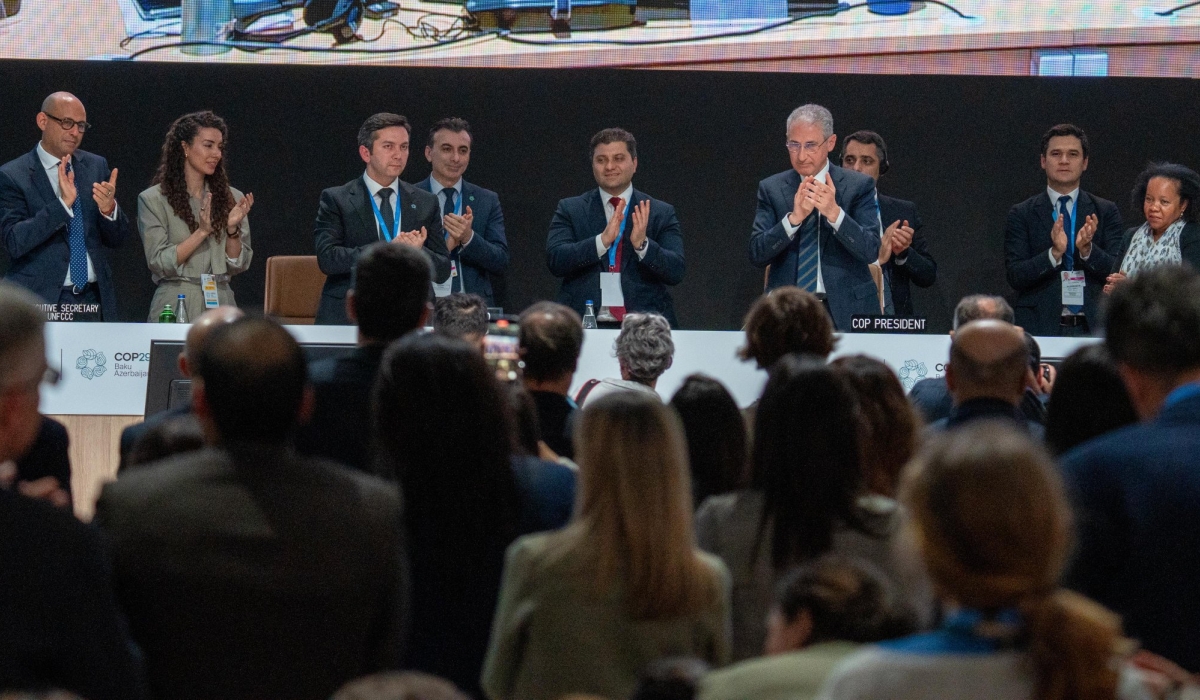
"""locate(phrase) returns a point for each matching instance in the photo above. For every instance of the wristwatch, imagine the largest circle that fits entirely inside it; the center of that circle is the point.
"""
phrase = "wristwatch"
(642, 246)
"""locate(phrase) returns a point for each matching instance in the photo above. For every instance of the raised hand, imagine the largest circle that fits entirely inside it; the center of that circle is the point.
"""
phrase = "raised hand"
(414, 239)
(205, 222)
(105, 194)
(825, 198)
(239, 212)
(1058, 239)
(66, 182)
(802, 204)
(885, 243)
(1083, 239)
(641, 218)
(902, 238)
(610, 232)
(458, 228)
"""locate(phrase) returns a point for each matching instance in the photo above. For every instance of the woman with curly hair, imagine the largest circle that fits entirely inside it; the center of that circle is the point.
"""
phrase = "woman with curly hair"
(193, 224)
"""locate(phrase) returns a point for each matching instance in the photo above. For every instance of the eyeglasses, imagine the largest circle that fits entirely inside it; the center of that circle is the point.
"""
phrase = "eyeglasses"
(68, 124)
(808, 147)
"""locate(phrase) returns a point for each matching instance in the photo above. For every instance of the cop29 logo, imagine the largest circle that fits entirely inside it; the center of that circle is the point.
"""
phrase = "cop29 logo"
(912, 372)
(91, 364)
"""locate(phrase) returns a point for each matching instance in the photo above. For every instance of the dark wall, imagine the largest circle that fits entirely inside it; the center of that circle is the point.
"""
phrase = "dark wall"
(964, 148)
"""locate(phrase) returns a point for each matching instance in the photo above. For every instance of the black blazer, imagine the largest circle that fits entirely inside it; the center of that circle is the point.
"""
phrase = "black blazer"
(487, 253)
(33, 226)
(571, 255)
(919, 266)
(346, 224)
(1189, 245)
(340, 429)
(1036, 279)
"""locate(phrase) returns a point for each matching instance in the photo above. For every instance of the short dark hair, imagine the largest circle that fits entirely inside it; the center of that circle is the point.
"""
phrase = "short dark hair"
(455, 124)
(868, 137)
(848, 598)
(613, 135)
(1065, 130)
(1088, 400)
(715, 434)
(253, 374)
(788, 319)
(1185, 178)
(460, 315)
(551, 338)
(367, 132)
(1035, 352)
(391, 290)
(976, 307)
(1153, 321)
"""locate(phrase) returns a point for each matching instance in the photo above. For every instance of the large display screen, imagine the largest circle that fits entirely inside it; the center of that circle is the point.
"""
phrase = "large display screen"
(992, 37)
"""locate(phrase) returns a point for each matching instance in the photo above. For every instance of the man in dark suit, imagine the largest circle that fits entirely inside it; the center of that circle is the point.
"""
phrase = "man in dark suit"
(1136, 491)
(60, 624)
(817, 225)
(1039, 253)
(616, 230)
(375, 207)
(551, 338)
(904, 253)
(245, 570)
(389, 298)
(58, 211)
(471, 215)
(48, 461)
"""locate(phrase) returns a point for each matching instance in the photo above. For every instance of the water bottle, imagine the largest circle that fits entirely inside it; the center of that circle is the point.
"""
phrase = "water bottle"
(167, 315)
(205, 21)
(181, 309)
(589, 318)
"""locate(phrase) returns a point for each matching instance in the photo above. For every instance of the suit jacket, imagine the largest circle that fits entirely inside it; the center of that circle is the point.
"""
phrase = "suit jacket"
(132, 433)
(61, 626)
(487, 253)
(1037, 280)
(346, 224)
(1189, 245)
(252, 573)
(33, 226)
(571, 255)
(49, 455)
(1136, 493)
(988, 409)
(919, 267)
(845, 253)
(340, 429)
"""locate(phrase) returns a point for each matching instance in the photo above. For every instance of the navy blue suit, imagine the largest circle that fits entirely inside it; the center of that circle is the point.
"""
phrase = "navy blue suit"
(487, 253)
(845, 253)
(919, 267)
(571, 255)
(33, 225)
(1136, 493)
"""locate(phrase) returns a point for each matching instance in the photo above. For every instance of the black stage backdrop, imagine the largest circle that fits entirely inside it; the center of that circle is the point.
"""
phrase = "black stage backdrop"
(964, 148)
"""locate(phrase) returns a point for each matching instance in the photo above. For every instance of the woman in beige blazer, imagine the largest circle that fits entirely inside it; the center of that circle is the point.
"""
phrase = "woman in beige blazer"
(192, 222)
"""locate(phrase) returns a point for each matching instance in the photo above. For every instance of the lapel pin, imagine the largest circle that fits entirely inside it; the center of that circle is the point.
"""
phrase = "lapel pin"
(472, 198)
(413, 205)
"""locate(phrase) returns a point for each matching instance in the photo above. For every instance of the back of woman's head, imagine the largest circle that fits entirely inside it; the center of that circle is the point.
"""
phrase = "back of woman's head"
(890, 425)
(1088, 399)
(847, 599)
(633, 510)
(994, 529)
(716, 435)
(806, 458)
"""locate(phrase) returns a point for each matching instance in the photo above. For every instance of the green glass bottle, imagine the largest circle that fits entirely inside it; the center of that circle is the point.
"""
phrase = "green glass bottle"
(167, 315)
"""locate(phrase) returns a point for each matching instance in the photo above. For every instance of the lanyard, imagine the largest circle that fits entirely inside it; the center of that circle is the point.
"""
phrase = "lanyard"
(1074, 209)
(612, 250)
(1181, 394)
(388, 233)
(457, 200)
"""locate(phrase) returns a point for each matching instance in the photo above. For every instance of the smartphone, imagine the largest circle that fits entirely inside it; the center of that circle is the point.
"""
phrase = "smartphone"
(502, 351)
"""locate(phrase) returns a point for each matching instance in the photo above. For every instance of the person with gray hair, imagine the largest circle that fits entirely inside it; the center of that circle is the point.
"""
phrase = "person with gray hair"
(981, 306)
(644, 351)
(817, 225)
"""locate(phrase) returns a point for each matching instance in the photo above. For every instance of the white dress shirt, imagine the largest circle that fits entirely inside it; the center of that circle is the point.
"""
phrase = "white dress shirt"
(609, 210)
(440, 190)
(374, 187)
(823, 176)
(1073, 207)
(50, 163)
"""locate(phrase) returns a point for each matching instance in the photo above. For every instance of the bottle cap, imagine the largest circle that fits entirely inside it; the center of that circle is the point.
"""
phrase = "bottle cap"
(589, 301)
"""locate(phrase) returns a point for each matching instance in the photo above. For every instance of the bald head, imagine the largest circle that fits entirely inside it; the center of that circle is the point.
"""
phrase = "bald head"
(988, 359)
(199, 332)
(56, 99)
(57, 141)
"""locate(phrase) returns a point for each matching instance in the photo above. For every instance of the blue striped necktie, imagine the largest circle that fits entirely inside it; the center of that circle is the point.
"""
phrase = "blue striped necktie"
(807, 258)
(77, 240)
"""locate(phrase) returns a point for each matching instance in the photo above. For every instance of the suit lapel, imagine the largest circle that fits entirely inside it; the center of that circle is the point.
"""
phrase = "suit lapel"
(360, 198)
(40, 177)
(1045, 213)
(408, 215)
(1085, 208)
(595, 214)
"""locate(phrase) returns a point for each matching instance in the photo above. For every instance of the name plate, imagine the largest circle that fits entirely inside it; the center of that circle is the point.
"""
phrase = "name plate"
(887, 324)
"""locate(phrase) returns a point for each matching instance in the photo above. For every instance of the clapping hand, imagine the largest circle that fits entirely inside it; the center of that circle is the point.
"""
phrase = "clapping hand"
(414, 239)
(885, 244)
(1111, 282)
(1083, 239)
(641, 218)
(613, 229)
(105, 194)
(458, 228)
(1058, 239)
(205, 223)
(66, 182)
(902, 236)
(802, 204)
(824, 197)
(239, 212)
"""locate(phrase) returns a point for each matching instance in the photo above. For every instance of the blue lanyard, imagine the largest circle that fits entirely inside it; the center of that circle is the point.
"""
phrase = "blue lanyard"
(1074, 209)
(612, 250)
(388, 233)
(1181, 394)
(1070, 254)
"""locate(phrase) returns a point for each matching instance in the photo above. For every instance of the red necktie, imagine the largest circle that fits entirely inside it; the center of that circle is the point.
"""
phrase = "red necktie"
(618, 312)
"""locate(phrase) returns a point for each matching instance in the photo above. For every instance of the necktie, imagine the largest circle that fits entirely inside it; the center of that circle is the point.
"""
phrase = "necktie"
(385, 211)
(77, 240)
(807, 258)
(1064, 213)
(448, 208)
(618, 312)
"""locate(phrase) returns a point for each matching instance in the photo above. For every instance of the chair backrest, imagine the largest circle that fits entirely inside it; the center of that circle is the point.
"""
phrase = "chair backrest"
(293, 290)
(877, 276)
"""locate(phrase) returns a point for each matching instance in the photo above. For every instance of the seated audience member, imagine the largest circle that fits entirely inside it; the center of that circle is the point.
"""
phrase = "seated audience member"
(47, 464)
(986, 375)
(644, 351)
(201, 327)
(931, 396)
(787, 320)
(551, 338)
(807, 497)
(400, 685)
(823, 611)
(462, 506)
(388, 297)
(59, 623)
(1038, 382)
(247, 571)
(176, 436)
(1135, 490)
(462, 316)
(1088, 400)
(994, 529)
(670, 679)
(716, 436)
(547, 486)
(890, 426)
(1168, 196)
(585, 609)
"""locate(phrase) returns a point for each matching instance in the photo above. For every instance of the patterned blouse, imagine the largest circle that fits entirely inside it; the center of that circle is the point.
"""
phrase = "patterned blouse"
(1145, 254)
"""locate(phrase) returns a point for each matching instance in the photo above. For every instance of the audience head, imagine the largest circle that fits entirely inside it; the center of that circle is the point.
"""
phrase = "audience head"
(22, 369)
(251, 384)
(989, 517)
(195, 143)
(644, 348)
(201, 328)
(400, 685)
(614, 159)
(1064, 156)
(832, 598)
(527, 432)
(806, 458)
(988, 359)
(865, 152)
(389, 295)
(810, 138)
(715, 433)
(551, 338)
(670, 679)
(449, 150)
(1088, 399)
(1165, 193)
(462, 316)
(787, 320)
(981, 306)
(383, 142)
(57, 108)
(1153, 332)
(175, 436)
(889, 423)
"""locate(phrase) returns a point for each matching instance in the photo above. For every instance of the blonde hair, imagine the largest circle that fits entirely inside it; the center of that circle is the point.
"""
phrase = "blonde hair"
(633, 509)
(994, 528)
